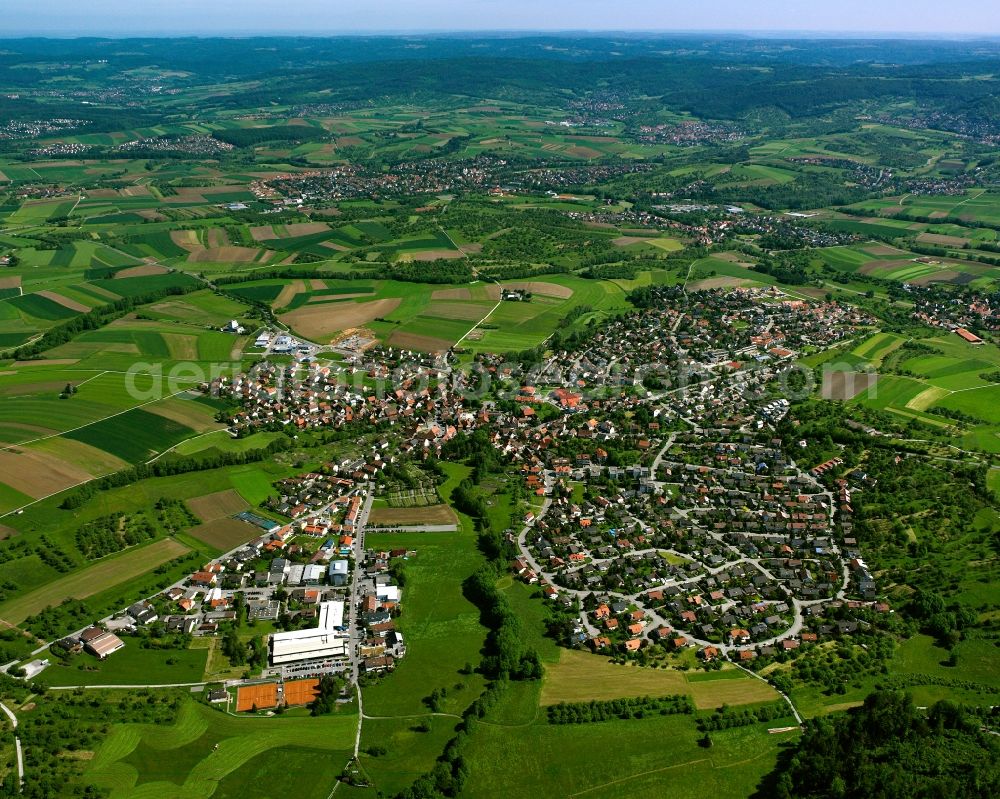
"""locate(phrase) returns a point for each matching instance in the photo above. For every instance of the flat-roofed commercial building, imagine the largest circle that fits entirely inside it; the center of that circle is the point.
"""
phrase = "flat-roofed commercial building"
(327, 640)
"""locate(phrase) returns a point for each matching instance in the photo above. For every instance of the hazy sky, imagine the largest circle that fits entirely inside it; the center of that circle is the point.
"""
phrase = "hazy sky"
(82, 17)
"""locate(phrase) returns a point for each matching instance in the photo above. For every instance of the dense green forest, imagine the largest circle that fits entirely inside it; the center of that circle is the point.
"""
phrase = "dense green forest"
(890, 749)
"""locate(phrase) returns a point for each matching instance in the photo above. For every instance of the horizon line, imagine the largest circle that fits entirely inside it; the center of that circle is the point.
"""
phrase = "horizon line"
(763, 33)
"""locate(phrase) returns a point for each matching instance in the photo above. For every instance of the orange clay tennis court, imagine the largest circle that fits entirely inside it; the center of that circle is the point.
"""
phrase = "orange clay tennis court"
(263, 696)
(300, 692)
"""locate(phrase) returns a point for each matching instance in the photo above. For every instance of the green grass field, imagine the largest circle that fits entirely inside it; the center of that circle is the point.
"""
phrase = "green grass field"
(134, 436)
(635, 758)
(876, 348)
(132, 665)
(207, 753)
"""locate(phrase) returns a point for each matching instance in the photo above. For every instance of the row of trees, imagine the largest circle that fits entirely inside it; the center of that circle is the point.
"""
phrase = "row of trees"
(635, 708)
(726, 717)
(506, 656)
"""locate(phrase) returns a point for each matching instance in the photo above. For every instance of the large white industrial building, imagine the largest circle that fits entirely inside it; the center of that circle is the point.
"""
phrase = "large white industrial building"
(328, 640)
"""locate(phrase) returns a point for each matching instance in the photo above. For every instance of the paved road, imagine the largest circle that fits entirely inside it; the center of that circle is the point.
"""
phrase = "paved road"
(355, 639)
(361, 721)
(17, 744)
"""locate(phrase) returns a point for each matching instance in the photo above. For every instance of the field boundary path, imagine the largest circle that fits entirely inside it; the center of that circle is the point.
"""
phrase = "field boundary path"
(17, 747)
(477, 324)
(783, 695)
(201, 684)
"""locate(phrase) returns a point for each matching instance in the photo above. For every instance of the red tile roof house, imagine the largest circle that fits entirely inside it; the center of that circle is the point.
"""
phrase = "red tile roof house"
(738, 636)
(202, 578)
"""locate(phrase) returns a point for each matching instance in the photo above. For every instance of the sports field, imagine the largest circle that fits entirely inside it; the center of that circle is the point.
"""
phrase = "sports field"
(300, 692)
(257, 697)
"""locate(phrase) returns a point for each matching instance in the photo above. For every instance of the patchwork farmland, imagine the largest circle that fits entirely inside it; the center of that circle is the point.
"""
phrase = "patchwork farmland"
(261, 535)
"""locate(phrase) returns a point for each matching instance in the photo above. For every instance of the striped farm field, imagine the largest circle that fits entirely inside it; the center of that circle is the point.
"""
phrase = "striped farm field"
(207, 753)
(38, 473)
(90, 459)
(66, 302)
(322, 322)
(876, 348)
(894, 391)
(196, 415)
(581, 677)
(926, 398)
(134, 436)
(982, 403)
(92, 580)
(41, 307)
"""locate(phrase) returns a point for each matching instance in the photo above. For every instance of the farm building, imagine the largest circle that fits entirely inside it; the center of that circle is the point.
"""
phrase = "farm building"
(100, 642)
(327, 640)
(969, 336)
